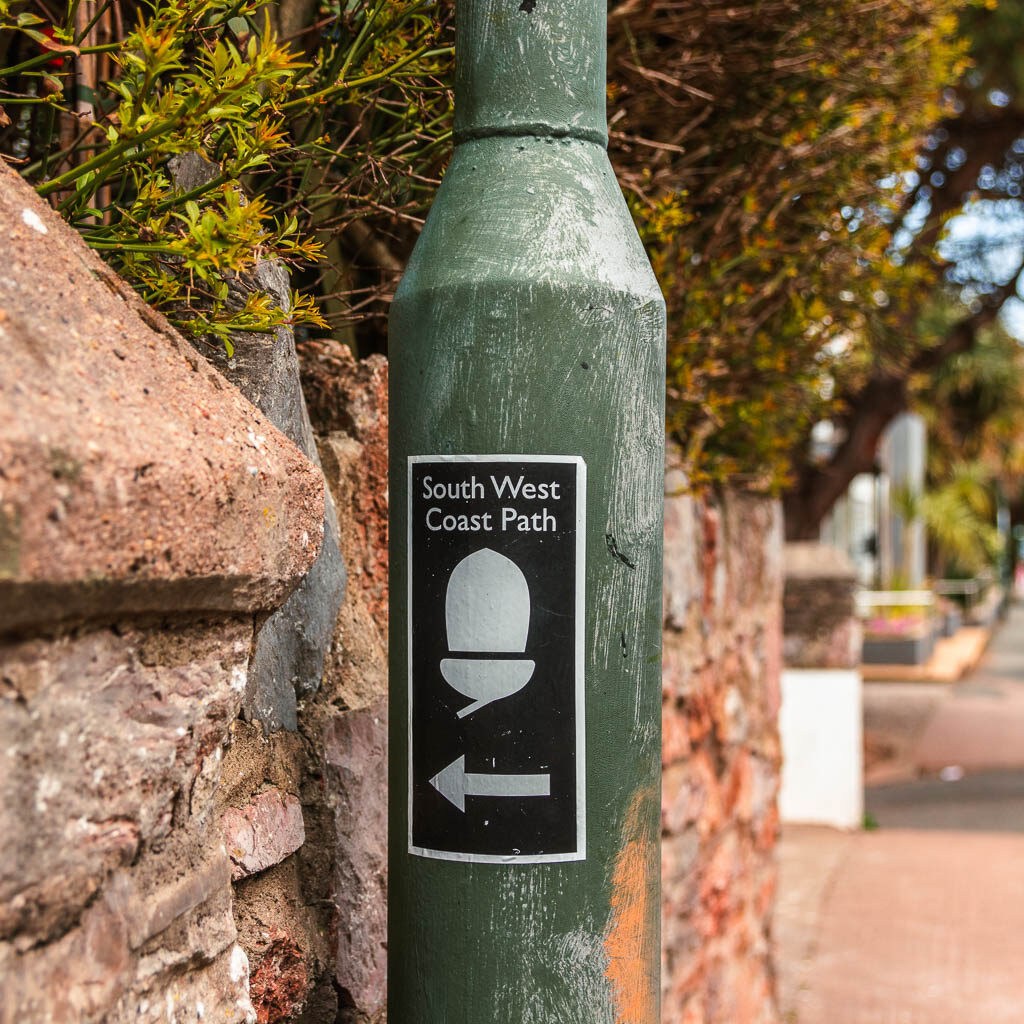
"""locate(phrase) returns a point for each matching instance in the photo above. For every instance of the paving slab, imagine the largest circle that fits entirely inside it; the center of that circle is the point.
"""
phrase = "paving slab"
(809, 857)
(974, 732)
(981, 723)
(978, 802)
(895, 716)
(912, 927)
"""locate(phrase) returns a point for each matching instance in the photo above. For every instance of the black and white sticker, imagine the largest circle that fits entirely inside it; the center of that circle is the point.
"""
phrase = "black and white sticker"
(496, 616)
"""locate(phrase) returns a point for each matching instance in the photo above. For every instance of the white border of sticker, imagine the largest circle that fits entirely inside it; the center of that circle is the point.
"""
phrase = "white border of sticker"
(580, 852)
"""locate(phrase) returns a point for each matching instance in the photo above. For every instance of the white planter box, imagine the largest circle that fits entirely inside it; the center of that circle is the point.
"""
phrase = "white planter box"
(821, 724)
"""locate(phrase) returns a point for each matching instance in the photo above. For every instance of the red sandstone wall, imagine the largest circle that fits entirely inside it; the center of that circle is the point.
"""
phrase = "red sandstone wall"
(129, 597)
(310, 877)
(721, 757)
(166, 859)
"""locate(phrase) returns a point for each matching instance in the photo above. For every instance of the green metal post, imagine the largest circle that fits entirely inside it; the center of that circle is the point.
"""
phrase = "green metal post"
(527, 441)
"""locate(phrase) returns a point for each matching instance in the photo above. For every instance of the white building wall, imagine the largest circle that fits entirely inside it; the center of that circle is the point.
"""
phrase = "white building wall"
(903, 455)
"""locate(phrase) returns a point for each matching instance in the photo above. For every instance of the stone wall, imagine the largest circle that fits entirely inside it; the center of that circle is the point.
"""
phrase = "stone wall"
(722, 664)
(302, 800)
(192, 793)
(820, 624)
(150, 519)
(348, 720)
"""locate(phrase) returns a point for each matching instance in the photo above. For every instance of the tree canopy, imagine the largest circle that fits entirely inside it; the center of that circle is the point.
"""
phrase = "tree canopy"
(761, 145)
(959, 227)
(790, 166)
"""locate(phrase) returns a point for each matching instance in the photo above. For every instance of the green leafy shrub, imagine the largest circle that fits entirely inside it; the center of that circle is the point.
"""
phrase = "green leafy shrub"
(761, 149)
(213, 78)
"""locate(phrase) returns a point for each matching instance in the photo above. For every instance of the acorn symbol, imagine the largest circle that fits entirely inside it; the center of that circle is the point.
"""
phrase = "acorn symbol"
(487, 611)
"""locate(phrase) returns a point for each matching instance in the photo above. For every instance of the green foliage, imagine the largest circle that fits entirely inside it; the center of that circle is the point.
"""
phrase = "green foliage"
(974, 404)
(763, 148)
(212, 78)
(959, 516)
(994, 30)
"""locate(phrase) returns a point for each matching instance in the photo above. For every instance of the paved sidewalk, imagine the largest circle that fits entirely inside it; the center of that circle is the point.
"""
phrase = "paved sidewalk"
(914, 729)
(978, 802)
(895, 716)
(981, 725)
(901, 927)
(922, 921)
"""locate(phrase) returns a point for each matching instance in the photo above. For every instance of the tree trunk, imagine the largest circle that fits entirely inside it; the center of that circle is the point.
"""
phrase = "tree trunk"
(869, 412)
(819, 487)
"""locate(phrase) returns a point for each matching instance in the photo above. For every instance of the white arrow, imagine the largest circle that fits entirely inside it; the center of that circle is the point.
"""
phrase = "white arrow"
(454, 783)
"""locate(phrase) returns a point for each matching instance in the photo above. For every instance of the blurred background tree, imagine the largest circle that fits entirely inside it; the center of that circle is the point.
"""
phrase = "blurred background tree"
(973, 406)
(793, 168)
(960, 227)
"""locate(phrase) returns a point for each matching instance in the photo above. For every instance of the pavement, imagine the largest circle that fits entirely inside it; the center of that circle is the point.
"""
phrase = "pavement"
(919, 920)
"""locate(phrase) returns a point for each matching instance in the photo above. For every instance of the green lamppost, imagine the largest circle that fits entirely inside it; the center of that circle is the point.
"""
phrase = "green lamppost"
(527, 432)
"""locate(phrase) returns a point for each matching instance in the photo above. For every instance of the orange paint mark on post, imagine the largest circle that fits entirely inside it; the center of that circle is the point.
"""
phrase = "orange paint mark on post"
(632, 940)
